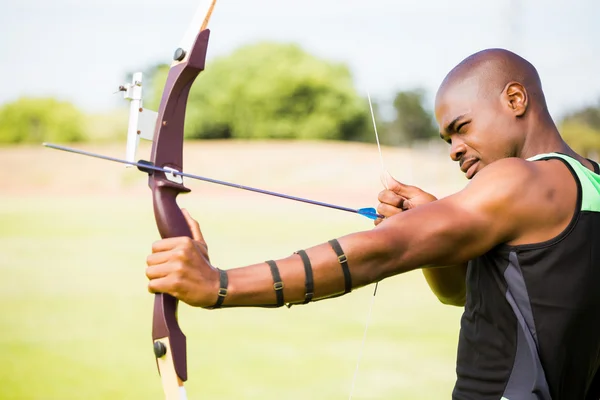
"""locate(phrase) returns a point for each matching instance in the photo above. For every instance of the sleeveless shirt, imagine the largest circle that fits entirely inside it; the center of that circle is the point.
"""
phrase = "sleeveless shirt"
(531, 324)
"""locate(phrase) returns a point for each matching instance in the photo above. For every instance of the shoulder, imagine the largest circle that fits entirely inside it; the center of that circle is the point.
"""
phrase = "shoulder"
(532, 200)
(511, 201)
(512, 173)
(521, 180)
(502, 183)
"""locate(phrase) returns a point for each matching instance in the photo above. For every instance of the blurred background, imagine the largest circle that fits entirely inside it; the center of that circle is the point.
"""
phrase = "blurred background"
(282, 105)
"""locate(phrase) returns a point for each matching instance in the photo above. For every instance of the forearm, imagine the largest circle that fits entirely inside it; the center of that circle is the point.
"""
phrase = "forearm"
(407, 241)
(253, 285)
(447, 283)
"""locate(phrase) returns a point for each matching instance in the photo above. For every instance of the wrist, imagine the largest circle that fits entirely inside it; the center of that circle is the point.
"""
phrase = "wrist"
(220, 288)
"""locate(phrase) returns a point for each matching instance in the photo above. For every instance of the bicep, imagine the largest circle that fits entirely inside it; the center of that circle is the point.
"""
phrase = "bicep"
(490, 211)
(441, 233)
(450, 231)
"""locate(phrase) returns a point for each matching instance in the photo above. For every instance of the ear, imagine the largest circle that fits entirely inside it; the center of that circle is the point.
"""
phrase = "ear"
(516, 98)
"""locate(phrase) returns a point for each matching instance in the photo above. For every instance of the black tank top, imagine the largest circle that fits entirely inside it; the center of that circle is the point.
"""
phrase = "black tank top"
(531, 325)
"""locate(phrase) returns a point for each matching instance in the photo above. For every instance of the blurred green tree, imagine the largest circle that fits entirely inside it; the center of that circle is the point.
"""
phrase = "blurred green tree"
(412, 122)
(581, 137)
(271, 90)
(581, 130)
(34, 120)
(588, 115)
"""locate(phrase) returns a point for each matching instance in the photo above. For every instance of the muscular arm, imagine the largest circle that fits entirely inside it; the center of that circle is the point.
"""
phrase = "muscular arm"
(447, 283)
(510, 201)
(489, 211)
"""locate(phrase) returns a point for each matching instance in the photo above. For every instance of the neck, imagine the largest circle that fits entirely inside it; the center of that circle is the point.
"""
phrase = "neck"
(543, 137)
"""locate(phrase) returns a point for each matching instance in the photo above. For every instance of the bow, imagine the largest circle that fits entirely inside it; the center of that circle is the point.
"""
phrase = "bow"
(167, 153)
(165, 170)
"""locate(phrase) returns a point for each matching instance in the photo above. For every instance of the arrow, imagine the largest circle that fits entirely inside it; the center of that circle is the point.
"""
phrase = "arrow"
(148, 167)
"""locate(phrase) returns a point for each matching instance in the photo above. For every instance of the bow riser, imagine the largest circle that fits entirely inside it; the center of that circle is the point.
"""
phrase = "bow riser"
(167, 152)
(167, 145)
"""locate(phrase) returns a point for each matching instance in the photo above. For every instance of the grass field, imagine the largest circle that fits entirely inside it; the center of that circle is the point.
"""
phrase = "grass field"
(75, 314)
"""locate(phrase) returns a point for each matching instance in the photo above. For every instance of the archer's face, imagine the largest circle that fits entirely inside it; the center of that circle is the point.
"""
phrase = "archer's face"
(474, 124)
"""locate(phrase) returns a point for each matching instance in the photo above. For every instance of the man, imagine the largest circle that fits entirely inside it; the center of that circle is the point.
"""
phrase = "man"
(527, 224)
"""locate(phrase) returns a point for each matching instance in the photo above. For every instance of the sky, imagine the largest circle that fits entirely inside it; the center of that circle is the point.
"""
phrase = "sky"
(82, 50)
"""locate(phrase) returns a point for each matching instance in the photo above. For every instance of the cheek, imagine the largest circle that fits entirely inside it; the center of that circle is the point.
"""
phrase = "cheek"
(493, 139)
(489, 143)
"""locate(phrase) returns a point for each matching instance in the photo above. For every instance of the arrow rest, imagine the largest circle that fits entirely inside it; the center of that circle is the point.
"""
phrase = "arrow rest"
(143, 165)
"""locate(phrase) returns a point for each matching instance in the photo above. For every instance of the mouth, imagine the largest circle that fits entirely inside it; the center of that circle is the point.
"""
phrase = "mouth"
(470, 167)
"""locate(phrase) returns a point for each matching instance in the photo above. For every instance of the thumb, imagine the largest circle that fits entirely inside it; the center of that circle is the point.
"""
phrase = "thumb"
(194, 226)
(407, 205)
(396, 186)
(386, 179)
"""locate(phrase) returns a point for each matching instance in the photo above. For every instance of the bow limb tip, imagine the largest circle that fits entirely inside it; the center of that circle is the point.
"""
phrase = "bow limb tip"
(199, 23)
(208, 15)
(172, 384)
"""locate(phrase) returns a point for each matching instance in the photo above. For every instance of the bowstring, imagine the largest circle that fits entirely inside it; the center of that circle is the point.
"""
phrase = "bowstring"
(364, 339)
(383, 168)
(370, 312)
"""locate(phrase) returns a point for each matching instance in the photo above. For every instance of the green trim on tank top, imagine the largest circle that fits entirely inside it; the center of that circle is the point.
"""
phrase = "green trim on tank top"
(590, 182)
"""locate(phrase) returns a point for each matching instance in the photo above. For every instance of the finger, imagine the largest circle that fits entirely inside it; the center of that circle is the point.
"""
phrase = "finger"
(194, 226)
(400, 188)
(172, 243)
(378, 221)
(158, 258)
(161, 285)
(407, 205)
(387, 211)
(391, 198)
(158, 271)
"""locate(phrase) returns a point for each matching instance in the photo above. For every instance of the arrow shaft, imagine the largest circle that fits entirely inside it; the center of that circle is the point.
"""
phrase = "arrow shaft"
(201, 178)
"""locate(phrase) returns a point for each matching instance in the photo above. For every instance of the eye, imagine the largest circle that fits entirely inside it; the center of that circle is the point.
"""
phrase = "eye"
(445, 138)
(460, 127)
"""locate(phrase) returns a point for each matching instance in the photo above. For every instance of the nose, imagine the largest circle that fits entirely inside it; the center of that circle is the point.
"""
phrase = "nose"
(458, 149)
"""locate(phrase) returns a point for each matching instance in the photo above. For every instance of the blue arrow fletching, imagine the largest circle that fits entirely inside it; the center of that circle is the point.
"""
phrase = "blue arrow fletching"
(369, 212)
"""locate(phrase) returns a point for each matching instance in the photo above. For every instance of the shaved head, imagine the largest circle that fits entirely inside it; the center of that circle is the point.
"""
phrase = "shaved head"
(491, 106)
(493, 69)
